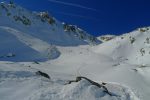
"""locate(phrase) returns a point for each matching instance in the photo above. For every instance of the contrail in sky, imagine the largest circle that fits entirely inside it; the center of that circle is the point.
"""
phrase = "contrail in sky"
(74, 5)
(75, 15)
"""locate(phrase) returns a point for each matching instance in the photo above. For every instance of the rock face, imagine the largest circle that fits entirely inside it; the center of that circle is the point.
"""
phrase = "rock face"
(106, 38)
(43, 74)
(79, 78)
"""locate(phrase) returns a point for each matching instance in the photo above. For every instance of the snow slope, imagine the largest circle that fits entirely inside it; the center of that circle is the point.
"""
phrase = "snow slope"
(43, 26)
(133, 47)
(37, 33)
(45, 49)
(20, 82)
(35, 42)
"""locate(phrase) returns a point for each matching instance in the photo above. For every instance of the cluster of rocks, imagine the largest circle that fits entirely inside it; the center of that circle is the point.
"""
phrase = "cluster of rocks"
(106, 38)
(132, 39)
(23, 19)
(79, 78)
(143, 29)
(45, 17)
(77, 32)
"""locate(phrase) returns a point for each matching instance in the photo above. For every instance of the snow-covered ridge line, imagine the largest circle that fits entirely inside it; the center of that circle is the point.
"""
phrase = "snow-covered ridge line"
(27, 18)
(38, 34)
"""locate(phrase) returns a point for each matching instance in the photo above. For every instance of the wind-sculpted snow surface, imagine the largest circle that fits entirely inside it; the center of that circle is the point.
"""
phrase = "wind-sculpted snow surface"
(21, 83)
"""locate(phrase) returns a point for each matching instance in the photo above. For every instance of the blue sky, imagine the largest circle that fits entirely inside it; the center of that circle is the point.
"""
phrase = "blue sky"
(97, 17)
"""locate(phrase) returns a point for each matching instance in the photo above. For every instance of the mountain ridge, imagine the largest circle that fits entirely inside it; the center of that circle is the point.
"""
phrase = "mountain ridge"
(34, 29)
(27, 18)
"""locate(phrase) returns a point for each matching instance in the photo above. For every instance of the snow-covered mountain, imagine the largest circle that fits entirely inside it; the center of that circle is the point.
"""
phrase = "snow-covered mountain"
(133, 47)
(36, 33)
(44, 59)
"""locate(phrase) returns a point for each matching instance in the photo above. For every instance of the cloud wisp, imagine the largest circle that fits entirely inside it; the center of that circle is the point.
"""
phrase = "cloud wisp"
(72, 4)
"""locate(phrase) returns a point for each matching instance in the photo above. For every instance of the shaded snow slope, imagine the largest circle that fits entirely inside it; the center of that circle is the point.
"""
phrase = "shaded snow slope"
(24, 47)
(46, 50)
(10, 45)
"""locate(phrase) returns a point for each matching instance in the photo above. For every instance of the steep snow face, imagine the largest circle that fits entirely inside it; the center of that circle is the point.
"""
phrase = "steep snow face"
(29, 36)
(43, 26)
(133, 47)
